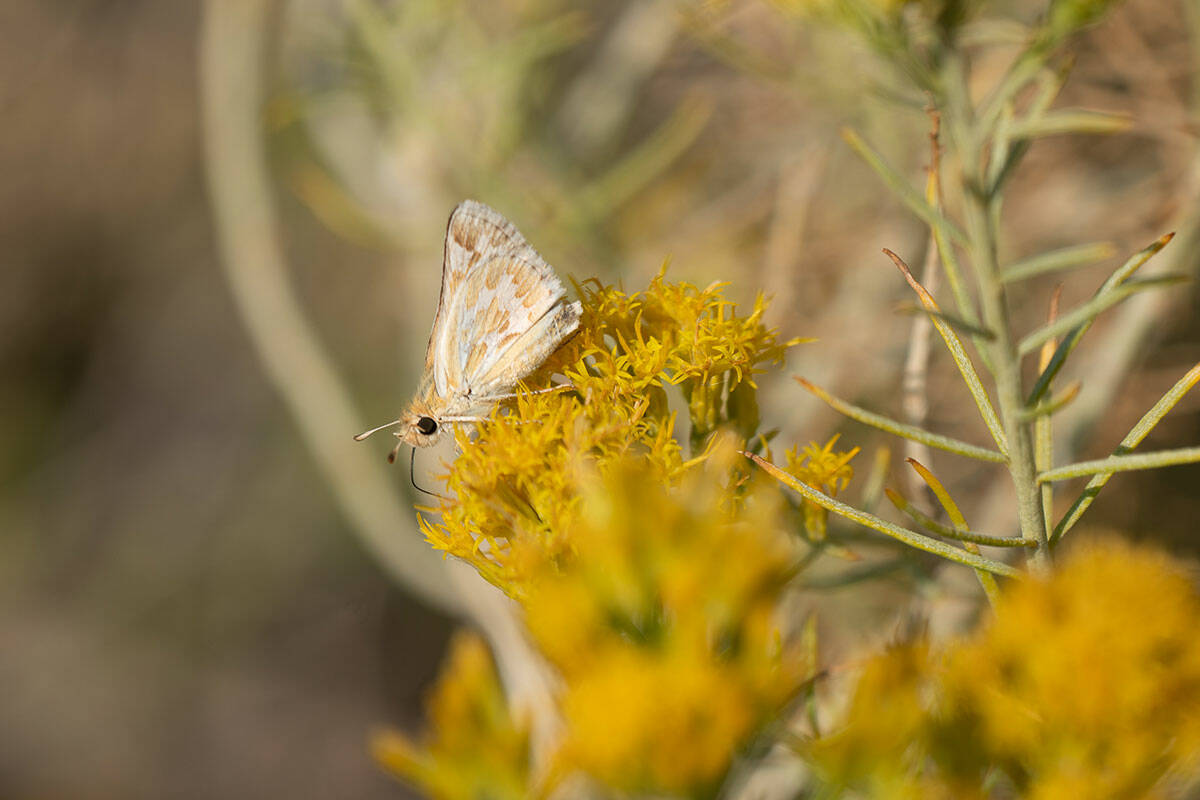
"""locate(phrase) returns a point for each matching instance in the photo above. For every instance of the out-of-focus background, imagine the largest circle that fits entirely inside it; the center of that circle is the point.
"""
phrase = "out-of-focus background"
(186, 607)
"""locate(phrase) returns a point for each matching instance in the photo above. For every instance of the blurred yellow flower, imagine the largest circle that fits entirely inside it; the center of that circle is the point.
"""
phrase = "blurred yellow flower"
(663, 629)
(661, 625)
(474, 749)
(649, 576)
(1086, 684)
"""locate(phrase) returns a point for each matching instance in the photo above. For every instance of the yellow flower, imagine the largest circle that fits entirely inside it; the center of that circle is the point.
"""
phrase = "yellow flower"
(1085, 684)
(650, 720)
(648, 576)
(474, 748)
(1094, 676)
(662, 627)
(515, 484)
(826, 470)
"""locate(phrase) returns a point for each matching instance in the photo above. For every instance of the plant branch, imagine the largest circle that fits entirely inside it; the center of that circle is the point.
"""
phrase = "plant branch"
(909, 537)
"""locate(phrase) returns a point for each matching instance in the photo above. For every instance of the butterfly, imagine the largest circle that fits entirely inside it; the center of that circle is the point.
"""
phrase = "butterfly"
(501, 313)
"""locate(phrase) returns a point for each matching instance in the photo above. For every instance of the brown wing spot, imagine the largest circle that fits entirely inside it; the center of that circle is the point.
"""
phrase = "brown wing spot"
(534, 298)
(465, 235)
(493, 279)
(523, 283)
(493, 310)
(507, 339)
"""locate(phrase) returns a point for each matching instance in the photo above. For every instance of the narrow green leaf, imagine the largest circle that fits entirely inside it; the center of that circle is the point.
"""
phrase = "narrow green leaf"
(927, 522)
(959, 354)
(1139, 432)
(1055, 404)
(1136, 261)
(940, 492)
(873, 487)
(1069, 121)
(909, 537)
(910, 432)
(1021, 72)
(957, 323)
(901, 187)
(1043, 424)
(1050, 83)
(1067, 346)
(1058, 260)
(986, 580)
(945, 249)
(1162, 458)
(993, 31)
(1088, 312)
(1003, 144)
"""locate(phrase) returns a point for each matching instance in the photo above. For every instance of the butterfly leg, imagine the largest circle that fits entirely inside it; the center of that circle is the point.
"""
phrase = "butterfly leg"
(486, 419)
(513, 395)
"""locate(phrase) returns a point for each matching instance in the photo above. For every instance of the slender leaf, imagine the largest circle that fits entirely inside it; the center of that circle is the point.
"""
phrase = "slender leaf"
(957, 323)
(986, 580)
(873, 487)
(1161, 458)
(925, 521)
(959, 354)
(1067, 346)
(993, 31)
(1136, 261)
(1087, 313)
(1050, 83)
(1058, 260)
(945, 249)
(1055, 404)
(1069, 121)
(901, 187)
(909, 537)
(1043, 424)
(940, 492)
(910, 432)
(1139, 432)
(1022, 70)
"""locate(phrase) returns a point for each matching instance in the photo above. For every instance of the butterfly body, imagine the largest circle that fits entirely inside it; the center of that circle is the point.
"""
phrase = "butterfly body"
(502, 311)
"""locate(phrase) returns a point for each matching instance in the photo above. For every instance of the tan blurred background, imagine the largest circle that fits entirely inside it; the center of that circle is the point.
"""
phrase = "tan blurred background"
(185, 610)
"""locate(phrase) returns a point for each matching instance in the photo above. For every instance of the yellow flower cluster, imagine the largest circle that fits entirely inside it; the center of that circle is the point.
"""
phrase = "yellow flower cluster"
(826, 470)
(663, 629)
(475, 748)
(649, 576)
(1086, 684)
(515, 485)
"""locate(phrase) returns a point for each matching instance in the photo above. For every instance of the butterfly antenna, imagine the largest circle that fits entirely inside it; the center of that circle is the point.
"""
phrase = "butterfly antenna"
(412, 475)
(365, 434)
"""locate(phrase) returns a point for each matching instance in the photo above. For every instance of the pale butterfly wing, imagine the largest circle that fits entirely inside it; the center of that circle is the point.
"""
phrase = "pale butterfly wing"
(501, 311)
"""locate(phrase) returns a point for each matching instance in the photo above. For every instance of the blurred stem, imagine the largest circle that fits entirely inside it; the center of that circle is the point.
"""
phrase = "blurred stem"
(981, 210)
(233, 43)
(232, 54)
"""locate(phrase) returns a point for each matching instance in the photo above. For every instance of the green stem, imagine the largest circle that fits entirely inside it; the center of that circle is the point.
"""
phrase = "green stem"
(980, 211)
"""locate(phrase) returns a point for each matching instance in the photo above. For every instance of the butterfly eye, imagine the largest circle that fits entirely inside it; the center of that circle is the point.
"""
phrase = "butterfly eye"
(426, 426)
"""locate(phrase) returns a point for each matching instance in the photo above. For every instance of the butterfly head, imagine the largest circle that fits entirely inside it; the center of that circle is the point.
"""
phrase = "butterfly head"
(420, 428)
